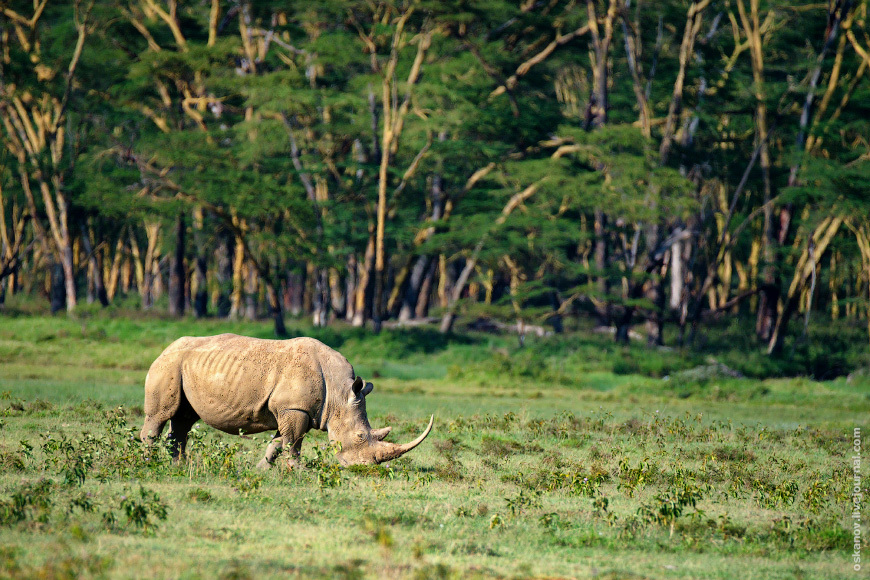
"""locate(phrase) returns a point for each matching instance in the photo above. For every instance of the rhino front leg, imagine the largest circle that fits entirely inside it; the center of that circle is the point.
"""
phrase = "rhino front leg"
(293, 424)
(296, 454)
(272, 452)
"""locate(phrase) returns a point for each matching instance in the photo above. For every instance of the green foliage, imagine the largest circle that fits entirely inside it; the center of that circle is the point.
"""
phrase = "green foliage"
(523, 501)
(199, 494)
(325, 466)
(31, 501)
(272, 128)
(670, 505)
(141, 512)
(634, 477)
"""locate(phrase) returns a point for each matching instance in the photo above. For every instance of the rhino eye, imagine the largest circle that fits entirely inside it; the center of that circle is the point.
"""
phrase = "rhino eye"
(360, 436)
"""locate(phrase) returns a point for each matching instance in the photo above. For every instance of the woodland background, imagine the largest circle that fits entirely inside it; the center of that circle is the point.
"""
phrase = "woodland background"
(544, 164)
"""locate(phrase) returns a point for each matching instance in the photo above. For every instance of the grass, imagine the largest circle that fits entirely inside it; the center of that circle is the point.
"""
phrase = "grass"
(568, 458)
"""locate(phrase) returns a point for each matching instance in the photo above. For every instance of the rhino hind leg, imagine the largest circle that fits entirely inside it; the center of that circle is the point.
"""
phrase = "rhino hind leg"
(152, 429)
(165, 402)
(179, 428)
(162, 399)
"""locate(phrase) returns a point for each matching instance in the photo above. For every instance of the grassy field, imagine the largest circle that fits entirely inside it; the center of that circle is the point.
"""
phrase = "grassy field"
(570, 457)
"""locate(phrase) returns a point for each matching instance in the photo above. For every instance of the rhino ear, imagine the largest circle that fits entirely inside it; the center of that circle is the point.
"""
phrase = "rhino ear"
(367, 389)
(357, 386)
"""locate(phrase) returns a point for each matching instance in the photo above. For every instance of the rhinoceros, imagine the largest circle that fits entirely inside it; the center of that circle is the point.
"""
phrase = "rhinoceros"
(248, 385)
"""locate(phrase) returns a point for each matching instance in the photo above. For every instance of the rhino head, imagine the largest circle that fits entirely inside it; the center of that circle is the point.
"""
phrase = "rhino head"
(349, 425)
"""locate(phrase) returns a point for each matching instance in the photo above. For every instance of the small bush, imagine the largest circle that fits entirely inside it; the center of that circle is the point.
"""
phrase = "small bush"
(199, 494)
(30, 501)
(325, 466)
(11, 461)
(142, 512)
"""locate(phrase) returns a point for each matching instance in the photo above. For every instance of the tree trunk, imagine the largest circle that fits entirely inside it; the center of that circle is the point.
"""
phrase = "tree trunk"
(690, 32)
(770, 288)
(415, 285)
(145, 284)
(128, 276)
(200, 279)
(96, 285)
(655, 322)
(772, 324)
(422, 309)
(145, 267)
(69, 278)
(224, 276)
(515, 277)
(654, 292)
(57, 287)
(602, 283)
(596, 111)
(767, 304)
(514, 202)
(807, 264)
(320, 298)
(449, 316)
(680, 255)
(380, 272)
(251, 286)
(556, 318)
(421, 266)
(114, 271)
(624, 321)
(99, 280)
(676, 272)
(623, 325)
(350, 281)
(157, 286)
(176, 270)
(393, 121)
(36, 134)
(296, 290)
(275, 310)
(363, 291)
(238, 280)
(336, 293)
(91, 291)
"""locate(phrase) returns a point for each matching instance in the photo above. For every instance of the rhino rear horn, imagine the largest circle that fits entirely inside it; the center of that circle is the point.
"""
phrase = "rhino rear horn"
(387, 451)
(379, 434)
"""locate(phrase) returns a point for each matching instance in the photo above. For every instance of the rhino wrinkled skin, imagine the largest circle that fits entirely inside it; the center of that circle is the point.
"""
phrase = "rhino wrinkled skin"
(249, 385)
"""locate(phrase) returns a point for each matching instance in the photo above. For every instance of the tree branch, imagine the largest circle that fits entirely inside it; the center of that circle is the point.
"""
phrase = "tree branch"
(524, 68)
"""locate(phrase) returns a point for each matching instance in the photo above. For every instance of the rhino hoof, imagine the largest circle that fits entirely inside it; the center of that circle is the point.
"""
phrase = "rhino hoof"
(264, 465)
(293, 465)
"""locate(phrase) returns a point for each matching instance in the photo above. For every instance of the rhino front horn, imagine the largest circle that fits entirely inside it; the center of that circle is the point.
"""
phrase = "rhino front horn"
(386, 451)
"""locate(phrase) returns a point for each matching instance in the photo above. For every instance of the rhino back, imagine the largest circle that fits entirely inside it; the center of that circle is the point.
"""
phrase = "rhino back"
(232, 382)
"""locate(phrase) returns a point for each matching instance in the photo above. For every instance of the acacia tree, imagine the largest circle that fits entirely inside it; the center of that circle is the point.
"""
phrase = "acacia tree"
(38, 84)
(372, 159)
(13, 218)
